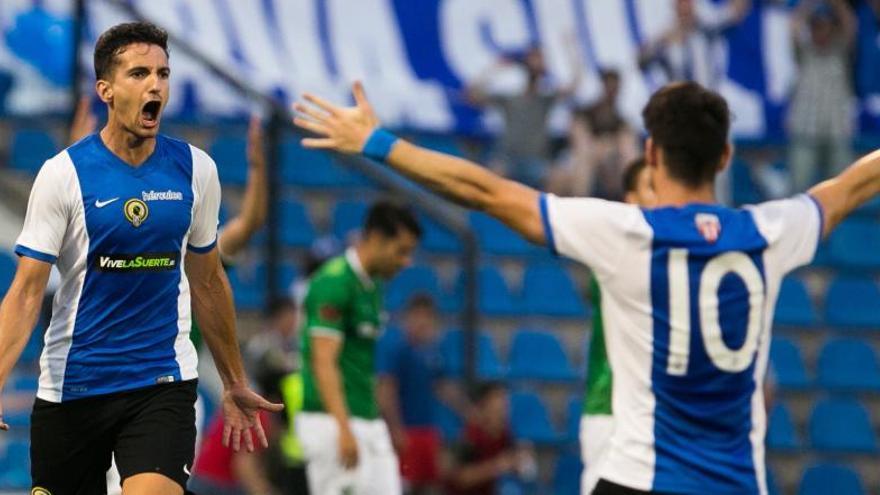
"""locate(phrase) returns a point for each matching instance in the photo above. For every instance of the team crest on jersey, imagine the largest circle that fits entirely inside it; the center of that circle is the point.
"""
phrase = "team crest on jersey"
(708, 225)
(40, 491)
(136, 211)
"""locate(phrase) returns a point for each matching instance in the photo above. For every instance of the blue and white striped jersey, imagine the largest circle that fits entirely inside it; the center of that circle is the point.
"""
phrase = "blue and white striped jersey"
(687, 296)
(118, 234)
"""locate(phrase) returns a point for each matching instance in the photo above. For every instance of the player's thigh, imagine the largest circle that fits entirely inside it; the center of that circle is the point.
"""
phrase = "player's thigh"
(71, 445)
(150, 484)
(158, 434)
(379, 473)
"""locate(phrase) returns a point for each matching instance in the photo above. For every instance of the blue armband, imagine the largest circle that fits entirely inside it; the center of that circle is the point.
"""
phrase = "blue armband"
(379, 145)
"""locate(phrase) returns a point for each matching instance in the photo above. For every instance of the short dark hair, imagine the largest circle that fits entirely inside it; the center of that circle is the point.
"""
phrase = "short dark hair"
(113, 41)
(690, 123)
(421, 300)
(388, 218)
(484, 390)
(631, 174)
(278, 305)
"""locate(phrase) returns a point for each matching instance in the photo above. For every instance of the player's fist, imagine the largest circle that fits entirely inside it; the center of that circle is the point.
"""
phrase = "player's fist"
(343, 129)
(348, 450)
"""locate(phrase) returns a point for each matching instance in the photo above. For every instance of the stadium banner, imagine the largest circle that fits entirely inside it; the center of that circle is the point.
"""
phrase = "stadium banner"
(413, 55)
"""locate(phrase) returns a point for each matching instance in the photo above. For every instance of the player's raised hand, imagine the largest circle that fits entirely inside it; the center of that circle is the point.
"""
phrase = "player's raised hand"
(343, 129)
(240, 408)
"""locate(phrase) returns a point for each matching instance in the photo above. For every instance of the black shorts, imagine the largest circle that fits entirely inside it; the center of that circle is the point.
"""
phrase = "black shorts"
(605, 487)
(150, 430)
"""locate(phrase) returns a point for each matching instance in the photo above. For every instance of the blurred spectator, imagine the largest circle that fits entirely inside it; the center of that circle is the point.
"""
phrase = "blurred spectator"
(275, 349)
(219, 470)
(410, 383)
(487, 451)
(601, 143)
(523, 150)
(820, 120)
(692, 48)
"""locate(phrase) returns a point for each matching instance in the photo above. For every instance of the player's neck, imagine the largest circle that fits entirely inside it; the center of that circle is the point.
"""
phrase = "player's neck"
(675, 194)
(131, 149)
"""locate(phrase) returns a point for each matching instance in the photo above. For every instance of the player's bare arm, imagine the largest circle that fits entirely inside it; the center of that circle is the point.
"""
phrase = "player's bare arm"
(18, 315)
(213, 310)
(238, 231)
(324, 355)
(854, 186)
(387, 390)
(347, 130)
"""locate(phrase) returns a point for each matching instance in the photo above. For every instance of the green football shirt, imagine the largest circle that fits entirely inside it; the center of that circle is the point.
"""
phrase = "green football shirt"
(344, 302)
(597, 399)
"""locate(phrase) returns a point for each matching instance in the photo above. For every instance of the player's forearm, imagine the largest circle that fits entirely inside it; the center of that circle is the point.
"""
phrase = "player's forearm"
(18, 316)
(841, 195)
(389, 405)
(213, 310)
(329, 383)
(248, 470)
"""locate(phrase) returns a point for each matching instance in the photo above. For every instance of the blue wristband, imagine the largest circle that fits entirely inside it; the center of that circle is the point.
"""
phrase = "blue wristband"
(379, 145)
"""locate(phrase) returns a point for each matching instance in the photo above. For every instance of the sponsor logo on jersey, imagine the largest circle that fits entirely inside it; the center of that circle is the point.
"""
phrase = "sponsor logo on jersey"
(161, 195)
(708, 225)
(328, 312)
(136, 211)
(165, 379)
(147, 262)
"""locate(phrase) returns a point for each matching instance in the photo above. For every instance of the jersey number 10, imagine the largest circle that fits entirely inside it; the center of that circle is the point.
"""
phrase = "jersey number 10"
(723, 357)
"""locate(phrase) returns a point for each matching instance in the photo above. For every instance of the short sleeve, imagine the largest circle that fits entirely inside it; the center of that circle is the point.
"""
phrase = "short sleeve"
(792, 228)
(591, 231)
(48, 212)
(326, 304)
(206, 210)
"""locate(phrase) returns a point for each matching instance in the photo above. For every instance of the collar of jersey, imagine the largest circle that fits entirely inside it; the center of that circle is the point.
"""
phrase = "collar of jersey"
(355, 262)
(117, 162)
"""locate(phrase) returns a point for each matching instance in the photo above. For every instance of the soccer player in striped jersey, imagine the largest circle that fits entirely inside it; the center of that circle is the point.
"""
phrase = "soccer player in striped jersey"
(688, 287)
(129, 217)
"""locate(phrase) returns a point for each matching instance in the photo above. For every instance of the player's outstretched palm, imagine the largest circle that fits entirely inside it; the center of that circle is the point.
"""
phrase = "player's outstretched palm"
(240, 408)
(343, 129)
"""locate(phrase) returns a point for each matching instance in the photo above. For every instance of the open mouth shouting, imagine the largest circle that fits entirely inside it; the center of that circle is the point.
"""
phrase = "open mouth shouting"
(150, 114)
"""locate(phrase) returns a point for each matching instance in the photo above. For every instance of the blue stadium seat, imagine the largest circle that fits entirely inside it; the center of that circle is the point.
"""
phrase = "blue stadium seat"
(530, 421)
(848, 365)
(24, 383)
(438, 238)
(781, 433)
(309, 168)
(412, 280)
(488, 364)
(852, 303)
(744, 188)
(297, 229)
(348, 218)
(7, 271)
(567, 475)
(249, 284)
(495, 238)
(449, 423)
(841, 425)
(825, 479)
(772, 485)
(495, 298)
(794, 306)
(539, 355)
(15, 465)
(788, 365)
(30, 148)
(856, 244)
(549, 290)
(230, 154)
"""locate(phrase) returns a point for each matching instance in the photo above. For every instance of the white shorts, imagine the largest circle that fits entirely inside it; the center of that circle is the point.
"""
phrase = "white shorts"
(377, 472)
(595, 435)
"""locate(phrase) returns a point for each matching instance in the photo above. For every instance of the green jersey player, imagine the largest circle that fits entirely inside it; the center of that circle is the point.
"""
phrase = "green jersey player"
(596, 419)
(347, 446)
